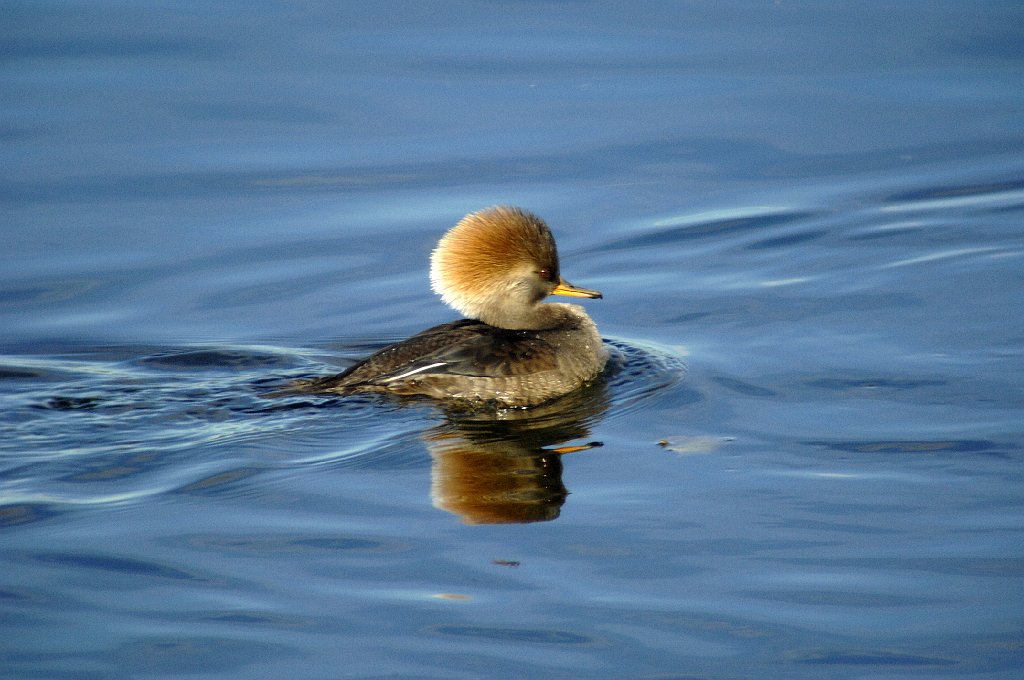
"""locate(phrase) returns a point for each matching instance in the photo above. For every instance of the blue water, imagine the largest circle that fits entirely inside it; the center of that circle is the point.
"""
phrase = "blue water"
(807, 220)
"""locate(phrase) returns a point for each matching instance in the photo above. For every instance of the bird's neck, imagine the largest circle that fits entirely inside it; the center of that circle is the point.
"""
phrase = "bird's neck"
(536, 317)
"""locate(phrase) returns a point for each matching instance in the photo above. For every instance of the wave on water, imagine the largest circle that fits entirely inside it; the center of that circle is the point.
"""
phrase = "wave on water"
(104, 425)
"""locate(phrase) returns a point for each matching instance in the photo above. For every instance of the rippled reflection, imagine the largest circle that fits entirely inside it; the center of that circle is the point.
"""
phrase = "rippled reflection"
(506, 468)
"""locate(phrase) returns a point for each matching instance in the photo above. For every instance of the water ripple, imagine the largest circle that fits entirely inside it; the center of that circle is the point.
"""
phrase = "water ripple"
(1008, 194)
(641, 372)
(667, 232)
(121, 427)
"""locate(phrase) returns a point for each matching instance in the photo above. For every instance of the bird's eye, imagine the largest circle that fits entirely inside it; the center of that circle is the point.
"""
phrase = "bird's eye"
(545, 274)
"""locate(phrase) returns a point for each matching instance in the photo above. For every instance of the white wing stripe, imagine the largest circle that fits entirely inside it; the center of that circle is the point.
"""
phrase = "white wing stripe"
(414, 371)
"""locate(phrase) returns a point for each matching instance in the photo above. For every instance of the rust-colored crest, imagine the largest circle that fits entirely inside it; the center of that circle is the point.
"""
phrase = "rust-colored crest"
(487, 245)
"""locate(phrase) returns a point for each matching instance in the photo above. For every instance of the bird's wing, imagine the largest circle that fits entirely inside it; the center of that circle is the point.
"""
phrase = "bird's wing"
(467, 347)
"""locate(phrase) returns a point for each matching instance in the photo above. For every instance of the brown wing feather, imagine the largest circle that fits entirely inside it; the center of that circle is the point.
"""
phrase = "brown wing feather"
(467, 347)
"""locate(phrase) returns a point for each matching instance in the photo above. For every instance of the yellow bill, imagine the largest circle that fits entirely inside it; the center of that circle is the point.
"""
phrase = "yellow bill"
(569, 290)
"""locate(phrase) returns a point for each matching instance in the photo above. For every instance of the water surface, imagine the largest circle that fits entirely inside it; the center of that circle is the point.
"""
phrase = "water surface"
(805, 460)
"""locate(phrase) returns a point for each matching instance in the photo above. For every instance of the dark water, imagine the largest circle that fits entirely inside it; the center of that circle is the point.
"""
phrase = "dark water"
(808, 223)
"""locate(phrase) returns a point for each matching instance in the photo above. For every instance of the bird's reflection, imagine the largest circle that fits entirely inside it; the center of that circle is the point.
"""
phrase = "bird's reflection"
(506, 468)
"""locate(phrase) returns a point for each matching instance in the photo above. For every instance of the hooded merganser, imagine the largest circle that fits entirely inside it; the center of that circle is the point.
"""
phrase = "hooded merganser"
(495, 267)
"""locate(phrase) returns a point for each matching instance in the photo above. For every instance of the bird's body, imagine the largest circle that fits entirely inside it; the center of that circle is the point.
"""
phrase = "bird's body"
(495, 266)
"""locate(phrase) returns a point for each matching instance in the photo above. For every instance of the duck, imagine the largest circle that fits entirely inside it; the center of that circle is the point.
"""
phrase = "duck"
(512, 350)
